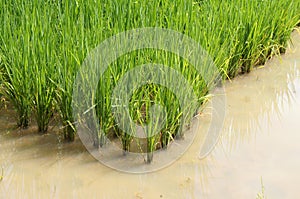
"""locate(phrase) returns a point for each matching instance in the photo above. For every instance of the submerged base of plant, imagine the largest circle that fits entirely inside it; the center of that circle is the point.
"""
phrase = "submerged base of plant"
(137, 159)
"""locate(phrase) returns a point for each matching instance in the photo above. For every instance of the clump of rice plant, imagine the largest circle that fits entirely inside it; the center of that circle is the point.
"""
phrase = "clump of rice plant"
(15, 58)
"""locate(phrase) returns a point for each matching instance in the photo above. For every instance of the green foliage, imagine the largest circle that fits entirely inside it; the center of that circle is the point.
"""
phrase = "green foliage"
(43, 44)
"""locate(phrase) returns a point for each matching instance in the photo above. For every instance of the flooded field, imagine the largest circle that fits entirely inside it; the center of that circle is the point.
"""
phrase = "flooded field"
(258, 150)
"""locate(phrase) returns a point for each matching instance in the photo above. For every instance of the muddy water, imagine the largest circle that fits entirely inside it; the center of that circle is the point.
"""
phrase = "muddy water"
(259, 146)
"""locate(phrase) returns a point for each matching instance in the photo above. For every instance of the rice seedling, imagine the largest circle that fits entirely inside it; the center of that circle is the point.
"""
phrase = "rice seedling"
(261, 194)
(43, 44)
(1, 176)
(15, 53)
(42, 56)
(68, 62)
(2, 100)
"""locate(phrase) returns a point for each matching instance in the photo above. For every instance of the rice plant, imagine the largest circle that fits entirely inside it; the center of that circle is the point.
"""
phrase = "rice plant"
(15, 52)
(261, 194)
(1, 176)
(43, 44)
(44, 58)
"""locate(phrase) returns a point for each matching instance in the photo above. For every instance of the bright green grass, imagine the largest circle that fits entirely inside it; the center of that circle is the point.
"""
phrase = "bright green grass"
(43, 44)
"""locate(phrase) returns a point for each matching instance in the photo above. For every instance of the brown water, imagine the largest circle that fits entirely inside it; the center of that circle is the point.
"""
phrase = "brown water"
(260, 141)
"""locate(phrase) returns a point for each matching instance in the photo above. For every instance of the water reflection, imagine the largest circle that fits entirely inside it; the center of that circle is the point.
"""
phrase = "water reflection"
(260, 137)
(257, 97)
